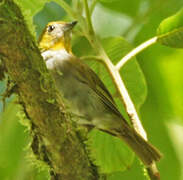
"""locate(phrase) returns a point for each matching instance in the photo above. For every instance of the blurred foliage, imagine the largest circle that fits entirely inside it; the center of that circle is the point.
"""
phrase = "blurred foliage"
(162, 111)
(15, 163)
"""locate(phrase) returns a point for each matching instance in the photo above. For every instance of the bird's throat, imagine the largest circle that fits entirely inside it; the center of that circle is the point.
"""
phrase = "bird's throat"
(60, 44)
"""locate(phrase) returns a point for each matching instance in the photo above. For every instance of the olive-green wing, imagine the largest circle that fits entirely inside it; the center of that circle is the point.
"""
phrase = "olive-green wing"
(89, 77)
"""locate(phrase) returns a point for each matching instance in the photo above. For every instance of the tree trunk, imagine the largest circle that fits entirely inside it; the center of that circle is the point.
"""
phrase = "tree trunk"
(55, 139)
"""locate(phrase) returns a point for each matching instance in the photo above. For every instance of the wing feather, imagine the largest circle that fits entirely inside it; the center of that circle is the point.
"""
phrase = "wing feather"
(89, 77)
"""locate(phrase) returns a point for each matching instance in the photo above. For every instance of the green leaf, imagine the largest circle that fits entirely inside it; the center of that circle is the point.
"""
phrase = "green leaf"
(108, 1)
(172, 77)
(29, 9)
(14, 139)
(170, 31)
(34, 6)
(109, 153)
(122, 6)
(109, 23)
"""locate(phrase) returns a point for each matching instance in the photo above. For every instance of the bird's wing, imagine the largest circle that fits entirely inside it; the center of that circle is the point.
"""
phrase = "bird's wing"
(89, 77)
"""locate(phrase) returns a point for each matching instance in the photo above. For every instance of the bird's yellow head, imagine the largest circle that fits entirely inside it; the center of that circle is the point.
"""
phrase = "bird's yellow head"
(56, 36)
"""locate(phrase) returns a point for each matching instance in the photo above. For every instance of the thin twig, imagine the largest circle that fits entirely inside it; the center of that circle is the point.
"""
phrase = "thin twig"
(88, 17)
(135, 51)
(124, 96)
(153, 172)
(94, 2)
(91, 57)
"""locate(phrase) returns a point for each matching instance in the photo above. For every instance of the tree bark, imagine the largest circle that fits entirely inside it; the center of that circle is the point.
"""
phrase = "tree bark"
(55, 139)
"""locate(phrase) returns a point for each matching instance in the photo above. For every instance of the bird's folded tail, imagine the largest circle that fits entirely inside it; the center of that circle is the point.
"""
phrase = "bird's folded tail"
(144, 150)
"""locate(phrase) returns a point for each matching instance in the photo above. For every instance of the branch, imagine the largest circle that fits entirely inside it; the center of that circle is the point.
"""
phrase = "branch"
(120, 86)
(114, 72)
(96, 58)
(88, 17)
(93, 4)
(55, 140)
(152, 170)
(123, 91)
(130, 107)
(135, 51)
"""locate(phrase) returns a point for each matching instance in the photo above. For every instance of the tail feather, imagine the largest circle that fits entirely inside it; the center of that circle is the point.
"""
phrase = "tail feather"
(144, 150)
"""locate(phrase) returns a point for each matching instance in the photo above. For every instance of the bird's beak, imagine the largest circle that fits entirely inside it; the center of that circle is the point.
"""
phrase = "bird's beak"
(69, 26)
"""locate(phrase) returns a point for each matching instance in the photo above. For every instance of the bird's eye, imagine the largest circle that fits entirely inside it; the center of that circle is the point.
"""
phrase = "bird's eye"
(51, 28)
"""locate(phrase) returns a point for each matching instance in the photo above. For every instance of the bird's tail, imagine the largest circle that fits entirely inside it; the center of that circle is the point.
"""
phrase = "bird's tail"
(144, 150)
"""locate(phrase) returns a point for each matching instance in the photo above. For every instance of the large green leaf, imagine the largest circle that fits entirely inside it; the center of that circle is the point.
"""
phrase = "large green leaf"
(108, 1)
(13, 142)
(171, 67)
(34, 6)
(29, 9)
(170, 31)
(122, 6)
(109, 153)
(109, 23)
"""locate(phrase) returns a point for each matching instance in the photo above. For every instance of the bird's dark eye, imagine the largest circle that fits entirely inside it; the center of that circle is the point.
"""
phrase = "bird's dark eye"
(51, 28)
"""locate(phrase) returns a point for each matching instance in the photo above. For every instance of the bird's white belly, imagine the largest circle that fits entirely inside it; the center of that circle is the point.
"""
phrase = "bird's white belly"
(53, 57)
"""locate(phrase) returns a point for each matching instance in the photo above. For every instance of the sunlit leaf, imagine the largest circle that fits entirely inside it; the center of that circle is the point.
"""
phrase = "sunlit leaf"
(122, 6)
(109, 153)
(12, 142)
(171, 70)
(109, 23)
(108, 1)
(170, 31)
(13, 147)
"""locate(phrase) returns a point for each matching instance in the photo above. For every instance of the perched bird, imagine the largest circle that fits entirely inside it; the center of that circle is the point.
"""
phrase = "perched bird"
(84, 92)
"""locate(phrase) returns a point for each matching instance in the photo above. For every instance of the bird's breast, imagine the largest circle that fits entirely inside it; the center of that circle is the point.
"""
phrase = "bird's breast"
(55, 58)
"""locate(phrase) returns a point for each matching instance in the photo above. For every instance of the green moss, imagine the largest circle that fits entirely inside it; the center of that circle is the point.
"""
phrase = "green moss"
(51, 101)
(24, 120)
(28, 18)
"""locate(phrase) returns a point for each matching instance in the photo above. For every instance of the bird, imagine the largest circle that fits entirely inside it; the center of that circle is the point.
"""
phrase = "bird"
(85, 94)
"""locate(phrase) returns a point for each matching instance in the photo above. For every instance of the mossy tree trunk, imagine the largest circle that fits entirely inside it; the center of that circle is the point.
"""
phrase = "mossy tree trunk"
(55, 139)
